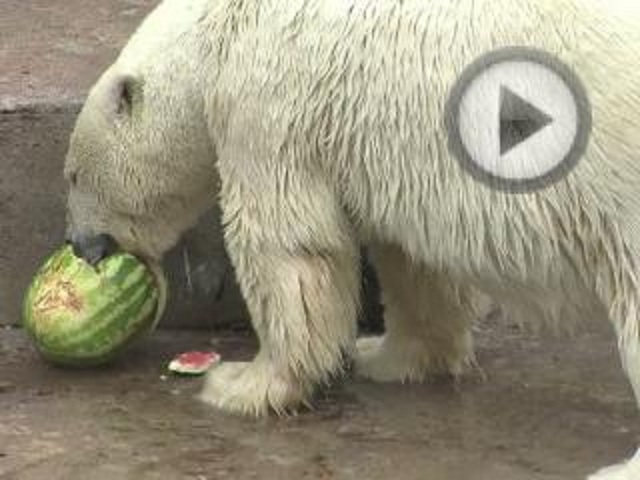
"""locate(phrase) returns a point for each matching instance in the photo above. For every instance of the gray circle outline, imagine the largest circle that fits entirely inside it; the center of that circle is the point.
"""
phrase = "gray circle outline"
(547, 60)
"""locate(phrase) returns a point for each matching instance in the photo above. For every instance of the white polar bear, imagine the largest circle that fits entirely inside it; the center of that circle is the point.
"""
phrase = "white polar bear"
(320, 126)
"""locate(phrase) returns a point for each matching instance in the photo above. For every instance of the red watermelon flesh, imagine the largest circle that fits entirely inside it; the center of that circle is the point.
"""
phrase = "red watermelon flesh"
(194, 363)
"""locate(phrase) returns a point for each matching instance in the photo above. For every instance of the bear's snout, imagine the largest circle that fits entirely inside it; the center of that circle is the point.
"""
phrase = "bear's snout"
(93, 248)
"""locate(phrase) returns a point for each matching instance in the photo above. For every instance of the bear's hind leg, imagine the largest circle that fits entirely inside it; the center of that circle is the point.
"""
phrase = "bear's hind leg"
(297, 266)
(427, 325)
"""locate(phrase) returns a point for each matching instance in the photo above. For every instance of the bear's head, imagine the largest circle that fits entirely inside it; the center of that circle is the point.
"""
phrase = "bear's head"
(140, 165)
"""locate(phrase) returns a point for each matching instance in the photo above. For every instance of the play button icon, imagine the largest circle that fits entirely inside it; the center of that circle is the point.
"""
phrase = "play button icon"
(518, 119)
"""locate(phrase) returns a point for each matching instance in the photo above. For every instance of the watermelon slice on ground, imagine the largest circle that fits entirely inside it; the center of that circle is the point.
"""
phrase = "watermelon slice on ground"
(193, 363)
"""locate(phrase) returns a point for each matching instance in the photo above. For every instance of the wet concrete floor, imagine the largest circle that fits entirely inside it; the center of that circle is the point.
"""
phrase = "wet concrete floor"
(549, 409)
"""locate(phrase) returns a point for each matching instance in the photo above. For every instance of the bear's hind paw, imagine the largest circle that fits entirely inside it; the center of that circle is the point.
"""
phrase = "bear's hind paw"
(406, 363)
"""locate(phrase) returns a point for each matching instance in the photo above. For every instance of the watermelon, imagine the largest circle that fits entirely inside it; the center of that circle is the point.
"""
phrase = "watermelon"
(80, 315)
(193, 363)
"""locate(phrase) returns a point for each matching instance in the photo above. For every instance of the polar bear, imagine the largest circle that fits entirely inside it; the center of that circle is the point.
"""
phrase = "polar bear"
(319, 127)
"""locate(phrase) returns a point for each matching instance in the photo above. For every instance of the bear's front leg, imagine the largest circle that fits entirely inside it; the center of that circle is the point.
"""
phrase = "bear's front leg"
(297, 268)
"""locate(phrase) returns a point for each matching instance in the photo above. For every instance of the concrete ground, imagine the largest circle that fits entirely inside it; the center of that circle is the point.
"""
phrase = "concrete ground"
(549, 409)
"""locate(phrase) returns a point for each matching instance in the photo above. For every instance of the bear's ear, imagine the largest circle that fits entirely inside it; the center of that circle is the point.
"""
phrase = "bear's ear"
(124, 92)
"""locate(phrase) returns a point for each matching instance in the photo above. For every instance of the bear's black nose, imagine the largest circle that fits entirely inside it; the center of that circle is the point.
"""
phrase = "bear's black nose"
(93, 248)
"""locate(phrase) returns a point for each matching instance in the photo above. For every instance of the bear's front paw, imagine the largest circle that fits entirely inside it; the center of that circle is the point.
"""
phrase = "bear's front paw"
(251, 388)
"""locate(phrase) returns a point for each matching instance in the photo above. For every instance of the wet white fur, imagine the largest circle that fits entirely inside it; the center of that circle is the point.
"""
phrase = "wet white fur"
(324, 121)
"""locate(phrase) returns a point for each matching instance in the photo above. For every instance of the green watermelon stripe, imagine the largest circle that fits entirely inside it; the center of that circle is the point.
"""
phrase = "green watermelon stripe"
(123, 290)
(120, 275)
(96, 352)
(118, 268)
(102, 316)
(103, 340)
(99, 339)
(123, 331)
(123, 314)
(125, 279)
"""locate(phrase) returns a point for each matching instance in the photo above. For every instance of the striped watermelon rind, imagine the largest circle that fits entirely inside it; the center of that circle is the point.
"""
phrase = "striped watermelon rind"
(79, 315)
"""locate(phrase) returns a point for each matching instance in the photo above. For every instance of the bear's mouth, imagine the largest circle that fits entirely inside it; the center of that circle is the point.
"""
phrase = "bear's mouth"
(93, 248)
